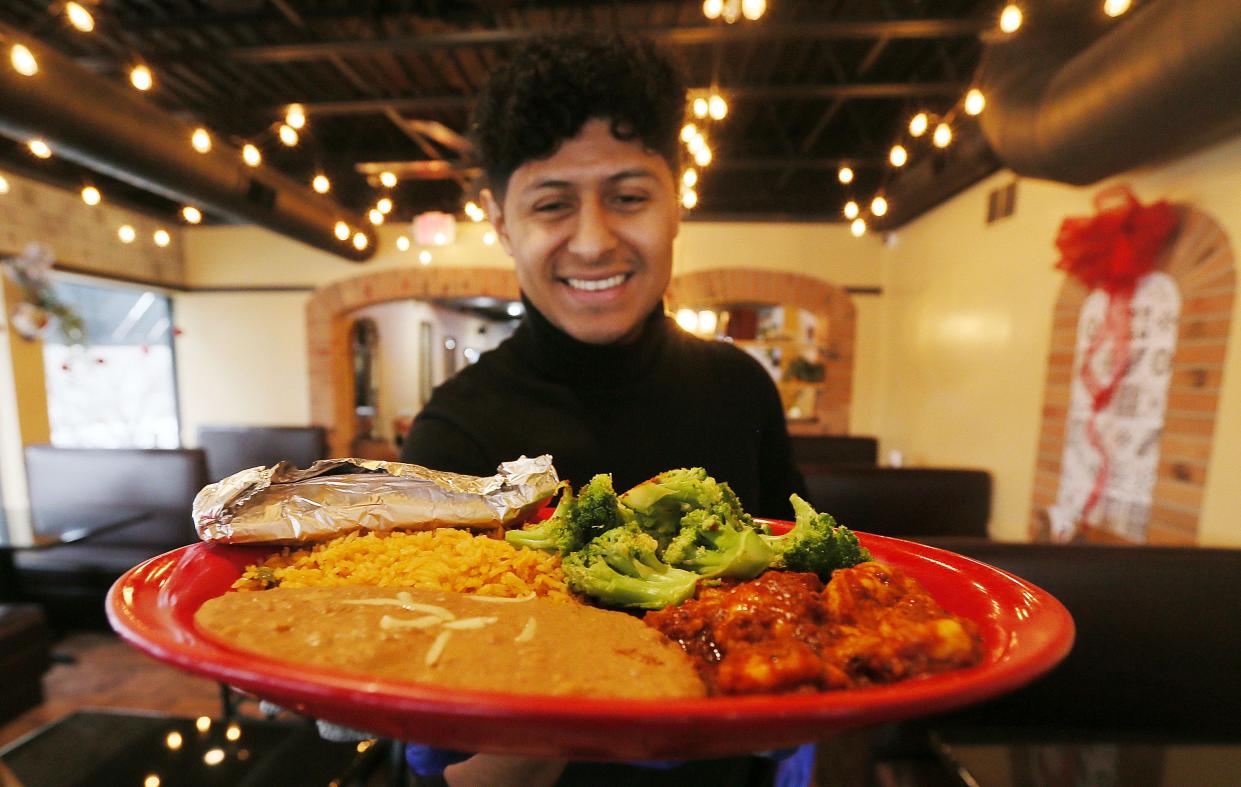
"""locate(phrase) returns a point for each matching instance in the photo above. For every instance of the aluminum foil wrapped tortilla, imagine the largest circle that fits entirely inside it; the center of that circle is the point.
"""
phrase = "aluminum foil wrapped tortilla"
(285, 505)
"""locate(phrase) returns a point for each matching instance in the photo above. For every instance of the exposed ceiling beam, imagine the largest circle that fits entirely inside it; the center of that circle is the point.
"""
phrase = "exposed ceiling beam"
(682, 36)
(744, 93)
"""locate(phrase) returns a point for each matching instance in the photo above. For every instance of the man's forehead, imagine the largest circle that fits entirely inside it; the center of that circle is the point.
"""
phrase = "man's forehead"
(593, 156)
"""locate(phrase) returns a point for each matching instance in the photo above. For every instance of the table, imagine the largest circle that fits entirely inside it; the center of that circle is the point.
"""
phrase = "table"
(90, 748)
(1048, 758)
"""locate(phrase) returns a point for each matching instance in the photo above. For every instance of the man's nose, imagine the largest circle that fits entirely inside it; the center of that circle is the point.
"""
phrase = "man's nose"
(593, 235)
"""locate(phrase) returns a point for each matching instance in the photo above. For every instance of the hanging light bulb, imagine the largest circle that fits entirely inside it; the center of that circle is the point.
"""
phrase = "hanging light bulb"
(712, 9)
(321, 184)
(851, 209)
(1010, 18)
(23, 61)
(1115, 8)
(689, 198)
(918, 124)
(141, 77)
(91, 195)
(295, 116)
(388, 179)
(342, 230)
(974, 102)
(702, 157)
(162, 238)
(288, 135)
(687, 319)
(688, 132)
(201, 140)
(39, 148)
(732, 11)
(376, 216)
(251, 155)
(701, 108)
(79, 17)
(126, 233)
(384, 205)
(942, 136)
(898, 155)
(4, 185)
(858, 228)
(717, 107)
(489, 238)
(424, 257)
(690, 178)
(753, 9)
(845, 174)
(191, 214)
(402, 243)
(879, 206)
(360, 240)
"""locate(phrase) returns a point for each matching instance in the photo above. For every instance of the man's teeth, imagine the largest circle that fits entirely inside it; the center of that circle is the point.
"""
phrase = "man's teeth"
(593, 285)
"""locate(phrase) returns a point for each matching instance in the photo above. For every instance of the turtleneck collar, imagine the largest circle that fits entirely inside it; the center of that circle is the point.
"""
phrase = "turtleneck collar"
(559, 356)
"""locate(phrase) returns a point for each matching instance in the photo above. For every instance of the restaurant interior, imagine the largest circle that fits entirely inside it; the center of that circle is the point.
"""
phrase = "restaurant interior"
(984, 249)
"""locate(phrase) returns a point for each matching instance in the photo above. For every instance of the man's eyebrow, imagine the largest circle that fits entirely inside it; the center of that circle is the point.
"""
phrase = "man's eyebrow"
(627, 174)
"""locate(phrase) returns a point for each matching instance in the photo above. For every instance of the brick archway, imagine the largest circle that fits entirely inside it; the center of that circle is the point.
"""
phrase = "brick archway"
(327, 330)
(834, 333)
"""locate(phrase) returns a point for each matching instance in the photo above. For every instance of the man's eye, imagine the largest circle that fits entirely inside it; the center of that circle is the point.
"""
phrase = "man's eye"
(551, 207)
(631, 200)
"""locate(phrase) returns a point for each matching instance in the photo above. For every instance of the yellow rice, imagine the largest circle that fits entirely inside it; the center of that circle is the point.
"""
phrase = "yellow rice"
(442, 559)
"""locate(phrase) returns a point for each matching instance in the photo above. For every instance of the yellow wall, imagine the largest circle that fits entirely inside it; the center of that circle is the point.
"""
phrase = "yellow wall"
(966, 323)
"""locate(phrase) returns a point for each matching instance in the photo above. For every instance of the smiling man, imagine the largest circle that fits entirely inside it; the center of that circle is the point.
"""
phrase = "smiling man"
(580, 139)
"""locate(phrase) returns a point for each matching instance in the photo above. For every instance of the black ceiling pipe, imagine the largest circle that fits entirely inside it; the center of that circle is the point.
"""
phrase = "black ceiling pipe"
(1066, 104)
(112, 129)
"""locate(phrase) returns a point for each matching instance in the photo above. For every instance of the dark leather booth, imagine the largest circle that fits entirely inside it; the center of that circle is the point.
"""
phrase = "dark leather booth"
(231, 449)
(902, 501)
(823, 450)
(72, 486)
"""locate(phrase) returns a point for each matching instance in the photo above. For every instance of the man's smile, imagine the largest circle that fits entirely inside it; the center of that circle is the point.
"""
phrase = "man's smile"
(595, 285)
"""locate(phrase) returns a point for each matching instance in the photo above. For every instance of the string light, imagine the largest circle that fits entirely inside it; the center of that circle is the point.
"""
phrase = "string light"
(342, 231)
(384, 205)
(474, 212)
(1010, 18)
(288, 135)
(321, 184)
(91, 195)
(753, 9)
(162, 238)
(201, 140)
(690, 178)
(39, 148)
(689, 198)
(732, 11)
(717, 107)
(251, 155)
(851, 209)
(23, 60)
(1115, 8)
(4, 185)
(942, 136)
(295, 116)
(712, 9)
(360, 240)
(898, 155)
(701, 108)
(702, 157)
(845, 175)
(126, 233)
(376, 216)
(79, 17)
(879, 206)
(688, 132)
(141, 78)
(918, 124)
(858, 227)
(402, 243)
(191, 214)
(424, 257)
(388, 179)
(974, 102)
(489, 238)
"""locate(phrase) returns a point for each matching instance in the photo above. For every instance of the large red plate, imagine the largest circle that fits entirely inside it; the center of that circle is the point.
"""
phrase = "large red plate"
(1025, 633)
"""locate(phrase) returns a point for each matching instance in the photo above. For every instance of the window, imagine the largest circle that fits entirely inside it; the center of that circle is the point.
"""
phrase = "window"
(119, 389)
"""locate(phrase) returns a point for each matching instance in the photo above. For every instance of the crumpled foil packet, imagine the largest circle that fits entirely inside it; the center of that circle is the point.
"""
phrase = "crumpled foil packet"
(284, 505)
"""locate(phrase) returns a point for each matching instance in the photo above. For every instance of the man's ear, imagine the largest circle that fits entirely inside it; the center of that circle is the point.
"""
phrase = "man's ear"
(496, 215)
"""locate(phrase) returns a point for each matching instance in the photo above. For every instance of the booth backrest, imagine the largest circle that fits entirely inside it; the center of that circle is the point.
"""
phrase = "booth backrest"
(835, 449)
(902, 501)
(1158, 645)
(160, 481)
(231, 449)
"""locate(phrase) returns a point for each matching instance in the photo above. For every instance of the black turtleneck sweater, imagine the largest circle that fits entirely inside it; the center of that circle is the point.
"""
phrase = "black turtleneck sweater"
(666, 400)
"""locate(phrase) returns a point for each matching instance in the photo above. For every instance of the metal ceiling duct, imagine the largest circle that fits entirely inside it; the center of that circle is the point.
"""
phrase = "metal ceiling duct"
(1076, 97)
(112, 129)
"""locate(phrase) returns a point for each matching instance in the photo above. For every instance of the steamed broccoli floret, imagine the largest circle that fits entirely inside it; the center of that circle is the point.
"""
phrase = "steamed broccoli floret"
(576, 520)
(709, 546)
(620, 569)
(816, 543)
(660, 503)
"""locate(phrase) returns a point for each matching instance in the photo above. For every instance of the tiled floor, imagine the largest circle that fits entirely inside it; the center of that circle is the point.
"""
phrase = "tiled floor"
(107, 673)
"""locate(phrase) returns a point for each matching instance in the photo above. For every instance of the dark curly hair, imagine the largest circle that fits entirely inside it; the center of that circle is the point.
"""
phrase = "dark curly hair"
(555, 84)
